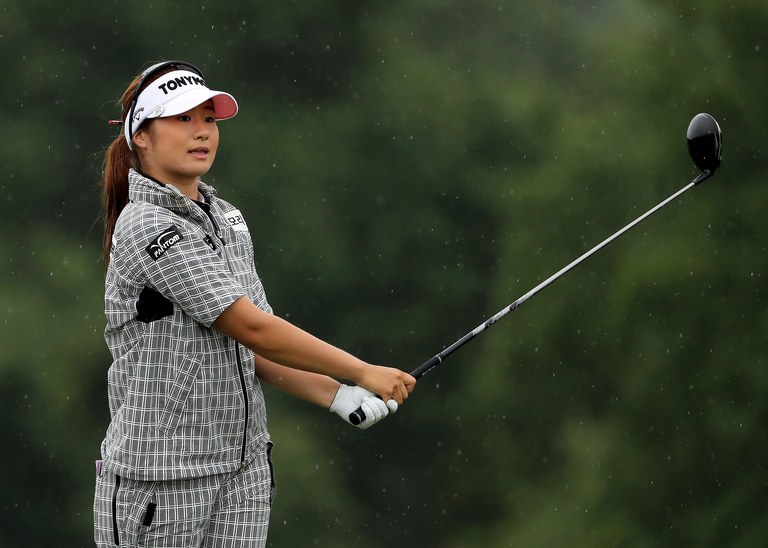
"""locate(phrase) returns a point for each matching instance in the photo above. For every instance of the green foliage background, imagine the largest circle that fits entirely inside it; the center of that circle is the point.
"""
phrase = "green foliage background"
(407, 169)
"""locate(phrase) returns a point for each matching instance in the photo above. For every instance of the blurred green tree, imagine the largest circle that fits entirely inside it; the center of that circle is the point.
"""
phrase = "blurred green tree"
(407, 169)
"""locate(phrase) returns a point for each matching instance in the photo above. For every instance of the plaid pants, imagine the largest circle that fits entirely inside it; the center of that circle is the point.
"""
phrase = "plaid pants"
(220, 511)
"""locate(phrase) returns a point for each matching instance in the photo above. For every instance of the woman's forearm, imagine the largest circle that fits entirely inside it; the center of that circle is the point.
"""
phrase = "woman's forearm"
(282, 342)
(311, 387)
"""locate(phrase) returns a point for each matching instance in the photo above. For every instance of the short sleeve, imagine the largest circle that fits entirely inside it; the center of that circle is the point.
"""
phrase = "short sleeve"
(177, 259)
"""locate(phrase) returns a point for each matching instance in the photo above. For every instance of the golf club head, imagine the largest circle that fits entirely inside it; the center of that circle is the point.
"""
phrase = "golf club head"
(705, 142)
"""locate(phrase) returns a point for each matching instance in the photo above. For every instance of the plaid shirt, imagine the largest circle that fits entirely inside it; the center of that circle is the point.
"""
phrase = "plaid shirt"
(184, 399)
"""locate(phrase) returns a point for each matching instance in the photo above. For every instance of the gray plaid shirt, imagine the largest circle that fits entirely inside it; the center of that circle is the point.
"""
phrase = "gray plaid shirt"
(184, 398)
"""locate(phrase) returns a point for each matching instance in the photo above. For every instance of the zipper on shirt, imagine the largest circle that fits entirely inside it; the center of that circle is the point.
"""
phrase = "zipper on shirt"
(245, 398)
(206, 207)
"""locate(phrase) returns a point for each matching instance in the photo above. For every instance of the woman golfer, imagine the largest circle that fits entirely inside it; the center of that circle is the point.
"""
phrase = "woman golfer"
(186, 460)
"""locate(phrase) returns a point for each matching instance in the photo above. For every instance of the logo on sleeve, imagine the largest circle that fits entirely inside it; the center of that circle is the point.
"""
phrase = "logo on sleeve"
(236, 220)
(164, 241)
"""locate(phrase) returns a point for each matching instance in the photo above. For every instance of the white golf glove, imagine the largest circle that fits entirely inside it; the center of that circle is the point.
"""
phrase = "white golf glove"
(349, 398)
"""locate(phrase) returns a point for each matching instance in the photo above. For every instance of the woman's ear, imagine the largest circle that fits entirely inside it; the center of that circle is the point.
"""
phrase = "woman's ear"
(141, 139)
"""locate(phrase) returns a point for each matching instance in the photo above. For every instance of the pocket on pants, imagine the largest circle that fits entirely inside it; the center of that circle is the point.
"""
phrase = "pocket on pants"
(131, 509)
(272, 482)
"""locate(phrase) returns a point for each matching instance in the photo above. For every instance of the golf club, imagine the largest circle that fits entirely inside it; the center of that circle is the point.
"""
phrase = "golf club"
(705, 148)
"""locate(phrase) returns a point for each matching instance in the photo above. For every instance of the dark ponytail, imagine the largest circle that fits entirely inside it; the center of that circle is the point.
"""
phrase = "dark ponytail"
(118, 160)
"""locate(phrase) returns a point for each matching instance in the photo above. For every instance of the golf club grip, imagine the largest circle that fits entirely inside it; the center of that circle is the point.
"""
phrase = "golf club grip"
(357, 416)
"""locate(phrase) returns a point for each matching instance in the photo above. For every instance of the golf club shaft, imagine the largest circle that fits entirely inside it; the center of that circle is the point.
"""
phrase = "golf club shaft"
(436, 359)
(358, 416)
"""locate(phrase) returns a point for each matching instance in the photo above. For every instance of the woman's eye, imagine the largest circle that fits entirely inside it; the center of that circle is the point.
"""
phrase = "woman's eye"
(210, 119)
(184, 118)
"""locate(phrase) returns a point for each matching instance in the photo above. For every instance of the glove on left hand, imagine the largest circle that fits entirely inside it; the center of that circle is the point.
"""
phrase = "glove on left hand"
(349, 398)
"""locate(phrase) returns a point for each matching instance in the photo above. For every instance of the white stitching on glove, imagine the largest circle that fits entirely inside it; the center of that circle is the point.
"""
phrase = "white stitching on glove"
(349, 398)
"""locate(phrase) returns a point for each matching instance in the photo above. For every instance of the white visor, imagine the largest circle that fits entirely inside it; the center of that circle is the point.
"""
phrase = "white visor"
(175, 93)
